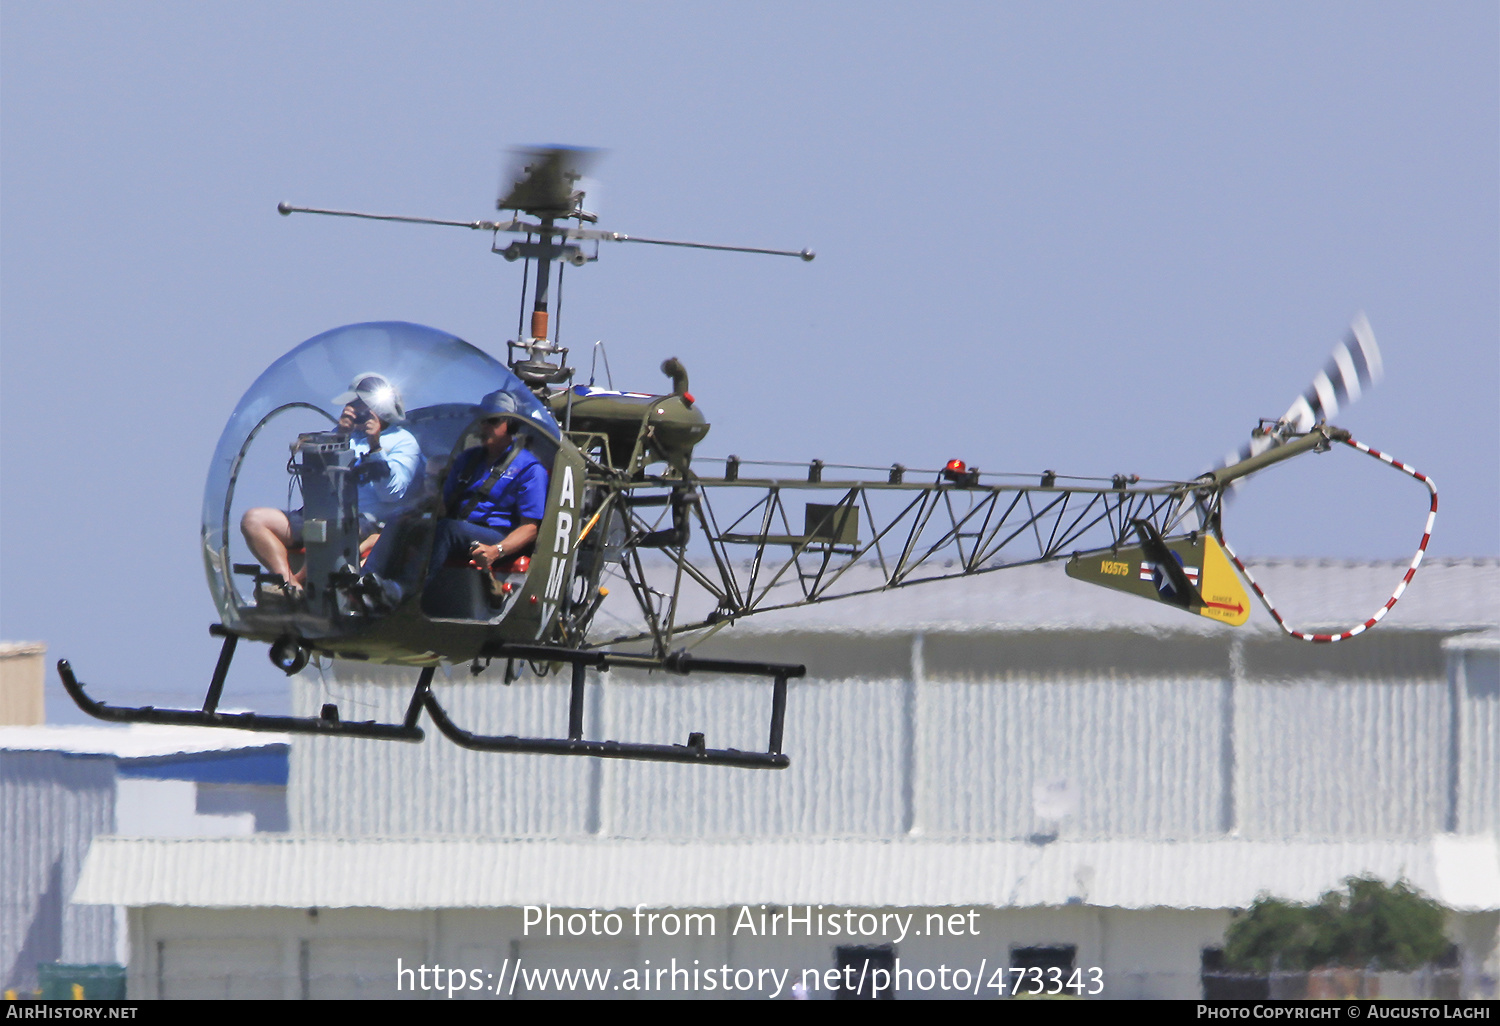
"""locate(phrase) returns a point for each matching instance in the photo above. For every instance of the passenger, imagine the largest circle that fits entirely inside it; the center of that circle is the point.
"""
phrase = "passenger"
(388, 456)
(494, 498)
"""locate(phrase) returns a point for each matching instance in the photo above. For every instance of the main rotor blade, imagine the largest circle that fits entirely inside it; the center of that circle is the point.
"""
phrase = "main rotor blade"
(602, 235)
(518, 225)
(805, 254)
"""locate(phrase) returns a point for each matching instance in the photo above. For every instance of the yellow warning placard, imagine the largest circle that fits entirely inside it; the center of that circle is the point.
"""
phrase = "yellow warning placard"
(1224, 598)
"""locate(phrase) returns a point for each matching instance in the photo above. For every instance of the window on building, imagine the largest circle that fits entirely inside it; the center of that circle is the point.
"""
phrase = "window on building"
(862, 964)
(1221, 984)
(1038, 962)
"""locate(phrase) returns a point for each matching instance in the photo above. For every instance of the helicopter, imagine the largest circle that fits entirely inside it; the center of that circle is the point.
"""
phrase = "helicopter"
(620, 483)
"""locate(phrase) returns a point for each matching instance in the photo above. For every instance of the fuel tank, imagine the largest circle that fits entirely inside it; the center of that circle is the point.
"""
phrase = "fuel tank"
(666, 426)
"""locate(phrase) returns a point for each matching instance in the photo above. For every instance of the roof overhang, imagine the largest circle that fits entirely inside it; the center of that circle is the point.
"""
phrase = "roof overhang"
(1462, 873)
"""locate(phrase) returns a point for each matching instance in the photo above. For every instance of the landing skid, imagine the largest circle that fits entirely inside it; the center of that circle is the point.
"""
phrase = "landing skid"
(328, 722)
(695, 751)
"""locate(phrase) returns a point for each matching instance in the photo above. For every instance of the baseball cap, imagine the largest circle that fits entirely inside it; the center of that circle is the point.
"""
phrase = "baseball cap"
(377, 393)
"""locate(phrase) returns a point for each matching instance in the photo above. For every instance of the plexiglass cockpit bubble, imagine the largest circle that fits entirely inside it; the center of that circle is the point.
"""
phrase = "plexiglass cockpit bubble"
(440, 380)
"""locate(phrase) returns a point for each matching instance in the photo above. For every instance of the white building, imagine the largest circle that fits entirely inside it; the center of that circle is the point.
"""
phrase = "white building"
(62, 786)
(1101, 781)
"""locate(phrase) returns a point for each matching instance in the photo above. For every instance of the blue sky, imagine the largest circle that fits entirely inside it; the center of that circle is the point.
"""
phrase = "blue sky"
(1091, 237)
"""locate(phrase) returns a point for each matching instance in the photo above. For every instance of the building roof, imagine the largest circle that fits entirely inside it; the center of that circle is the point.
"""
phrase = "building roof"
(1461, 872)
(1479, 641)
(132, 741)
(1446, 594)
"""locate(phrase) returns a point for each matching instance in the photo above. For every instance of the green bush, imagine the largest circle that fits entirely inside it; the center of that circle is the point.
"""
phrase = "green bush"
(1368, 923)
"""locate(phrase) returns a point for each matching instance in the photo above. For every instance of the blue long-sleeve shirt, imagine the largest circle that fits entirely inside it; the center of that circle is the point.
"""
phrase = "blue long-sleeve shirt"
(382, 493)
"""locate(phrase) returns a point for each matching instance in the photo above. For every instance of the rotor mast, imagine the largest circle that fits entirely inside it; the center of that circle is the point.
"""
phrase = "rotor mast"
(545, 187)
(532, 364)
(539, 313)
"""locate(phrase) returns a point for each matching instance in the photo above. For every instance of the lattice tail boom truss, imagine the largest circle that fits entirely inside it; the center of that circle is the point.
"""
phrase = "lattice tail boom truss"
(733, 548)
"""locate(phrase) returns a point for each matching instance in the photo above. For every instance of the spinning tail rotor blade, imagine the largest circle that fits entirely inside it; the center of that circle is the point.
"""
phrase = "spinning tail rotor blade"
(1353, 369)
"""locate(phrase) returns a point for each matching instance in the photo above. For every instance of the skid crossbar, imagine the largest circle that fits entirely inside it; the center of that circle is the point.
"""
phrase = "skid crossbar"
(695, 751)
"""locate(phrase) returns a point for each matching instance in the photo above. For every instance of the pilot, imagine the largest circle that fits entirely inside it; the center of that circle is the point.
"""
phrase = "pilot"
(390, 458)
(494, 498)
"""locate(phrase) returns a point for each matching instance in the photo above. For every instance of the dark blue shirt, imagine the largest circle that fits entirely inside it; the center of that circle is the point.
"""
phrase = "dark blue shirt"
(519, 494)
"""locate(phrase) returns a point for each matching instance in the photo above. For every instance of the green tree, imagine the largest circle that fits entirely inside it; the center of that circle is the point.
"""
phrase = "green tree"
(1395, 927)
(1273, 934)
(1368, 923)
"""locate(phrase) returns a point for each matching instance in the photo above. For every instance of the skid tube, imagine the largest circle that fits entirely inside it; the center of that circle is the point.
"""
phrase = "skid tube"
(327, 722)
(695, 751)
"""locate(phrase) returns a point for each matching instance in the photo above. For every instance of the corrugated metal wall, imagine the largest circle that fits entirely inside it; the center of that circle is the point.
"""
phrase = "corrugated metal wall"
(51, 806)
(1134, 758)
(1476, 802)
(845, 740)
(345, 786)
(365, 787)
(950, 735)
(1341, 758)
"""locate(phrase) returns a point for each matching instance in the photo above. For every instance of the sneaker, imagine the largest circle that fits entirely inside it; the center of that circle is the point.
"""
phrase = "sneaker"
(381, 595)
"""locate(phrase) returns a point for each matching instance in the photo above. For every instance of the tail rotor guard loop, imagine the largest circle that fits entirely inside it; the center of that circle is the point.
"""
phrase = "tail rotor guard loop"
(1416, 560)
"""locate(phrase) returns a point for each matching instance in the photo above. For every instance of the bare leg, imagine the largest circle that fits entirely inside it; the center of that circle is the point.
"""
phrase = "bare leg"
(269, 535)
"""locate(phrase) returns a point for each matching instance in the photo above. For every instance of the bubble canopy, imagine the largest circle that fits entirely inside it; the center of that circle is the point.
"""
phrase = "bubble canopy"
(430, 368)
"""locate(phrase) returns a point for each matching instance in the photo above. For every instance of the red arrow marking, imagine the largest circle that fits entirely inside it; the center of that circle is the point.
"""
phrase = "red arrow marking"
(1225, 605)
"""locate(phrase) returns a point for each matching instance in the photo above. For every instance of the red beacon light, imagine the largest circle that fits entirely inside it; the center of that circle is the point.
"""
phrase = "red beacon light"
(959, 473)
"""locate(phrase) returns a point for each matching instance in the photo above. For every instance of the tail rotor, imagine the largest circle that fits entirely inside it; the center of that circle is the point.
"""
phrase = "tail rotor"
(1353, 368)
